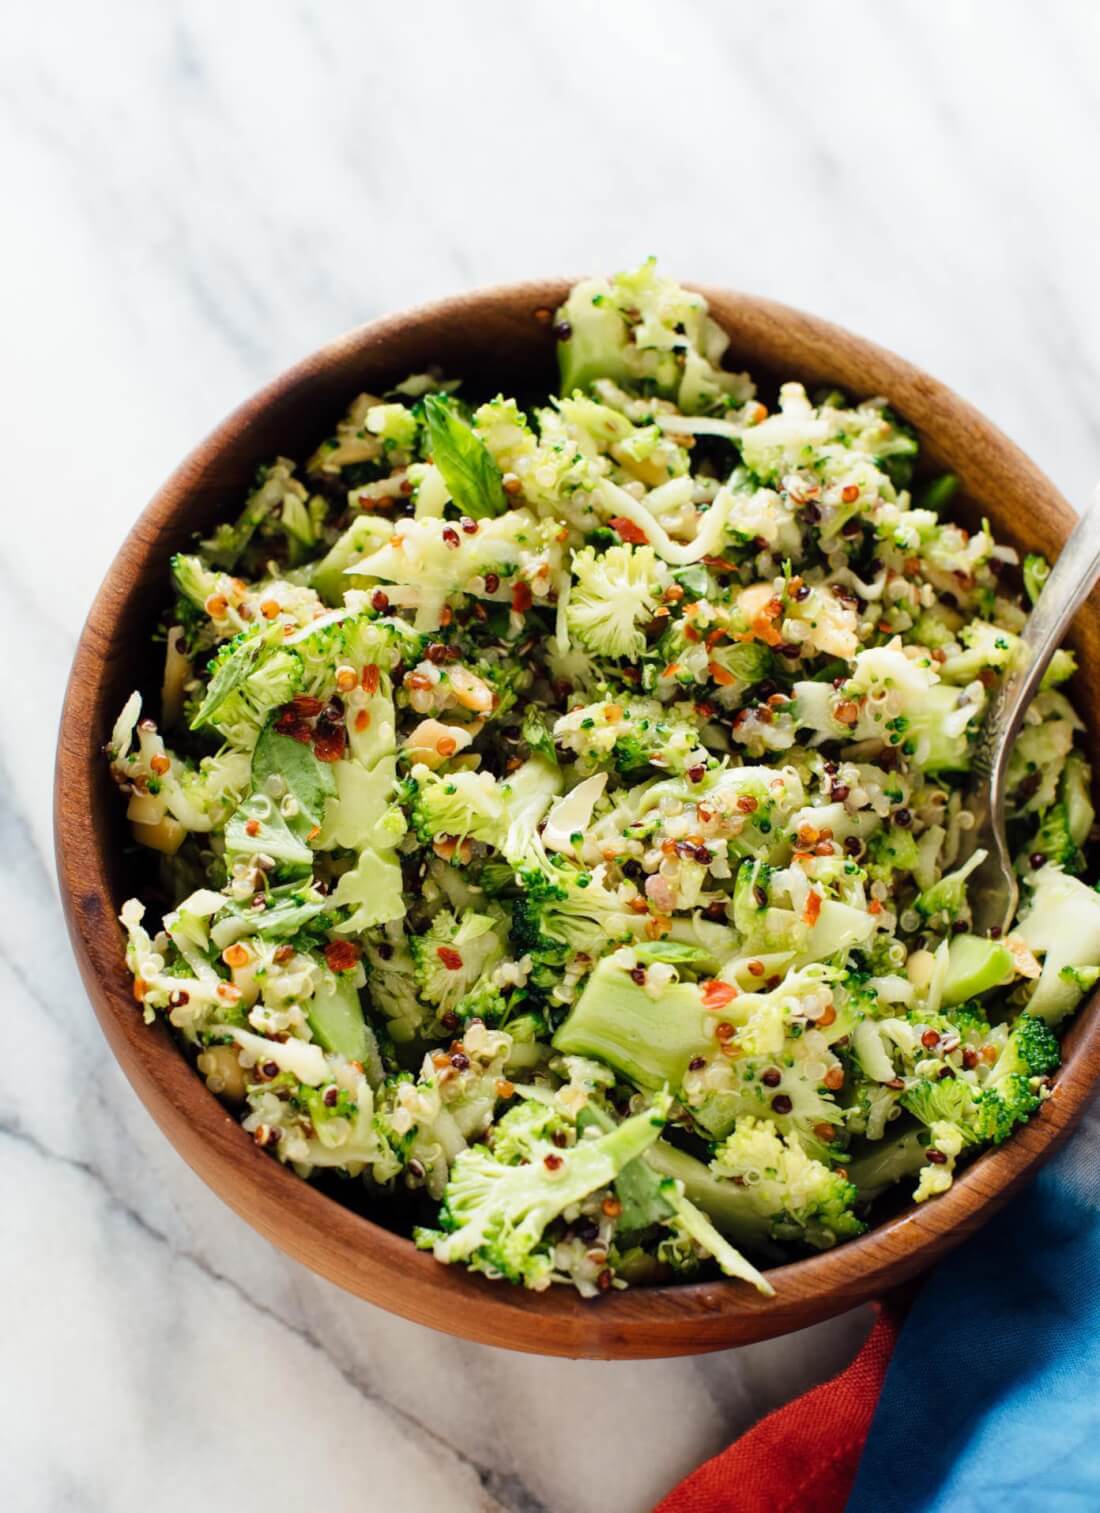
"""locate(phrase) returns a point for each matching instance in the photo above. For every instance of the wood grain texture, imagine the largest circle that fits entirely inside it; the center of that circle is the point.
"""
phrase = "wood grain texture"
(493, 338)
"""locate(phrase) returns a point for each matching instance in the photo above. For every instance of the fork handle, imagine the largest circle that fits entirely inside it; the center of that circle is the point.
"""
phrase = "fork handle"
(1070, 582)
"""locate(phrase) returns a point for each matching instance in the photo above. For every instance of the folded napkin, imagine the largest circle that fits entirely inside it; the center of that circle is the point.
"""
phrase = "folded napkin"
(990, 1399)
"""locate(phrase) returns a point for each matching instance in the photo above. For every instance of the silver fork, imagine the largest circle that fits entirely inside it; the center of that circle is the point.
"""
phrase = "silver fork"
(992, 888)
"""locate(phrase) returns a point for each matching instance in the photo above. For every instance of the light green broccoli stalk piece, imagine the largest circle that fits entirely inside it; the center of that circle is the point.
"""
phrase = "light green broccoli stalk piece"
(329, 576)
(1036, 572)
(1062, 925)
(617, 1022)
(453, 954)
(779, 1192)
(882, 1163)
(670, 1188)
(1065, 826)
(1039, 754)
(494, 1216)
(525, 796)
(613, 596)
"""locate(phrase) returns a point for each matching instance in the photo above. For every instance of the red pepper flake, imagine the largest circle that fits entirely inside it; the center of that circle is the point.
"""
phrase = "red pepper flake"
(341, 955)
(627, 530)
(850, 493)
(551, 1161)
(522, 598)
(251, 827)
(450, 958)
(716, 994)
(813, 907)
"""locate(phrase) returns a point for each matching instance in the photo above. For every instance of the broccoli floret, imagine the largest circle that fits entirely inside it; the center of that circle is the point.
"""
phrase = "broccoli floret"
(980, 1115)
(986, 646)
(647, 330)
(1031, 1051)
(628, 736)
(494, 1216)
(251, 675)
(782, 1192)
(518, 1135)
(457, 804)
(429, 561)
(453, 954)
(613, 596)
(566, 907)
(891, 849)
(486, 1001)
(1053, 841)
(943, 903)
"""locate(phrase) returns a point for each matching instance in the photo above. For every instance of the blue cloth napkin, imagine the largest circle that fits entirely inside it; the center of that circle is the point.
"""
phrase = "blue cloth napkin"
(992, 1398)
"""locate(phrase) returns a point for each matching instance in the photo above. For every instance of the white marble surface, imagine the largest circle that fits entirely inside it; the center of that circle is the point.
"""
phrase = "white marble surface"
(198, 193)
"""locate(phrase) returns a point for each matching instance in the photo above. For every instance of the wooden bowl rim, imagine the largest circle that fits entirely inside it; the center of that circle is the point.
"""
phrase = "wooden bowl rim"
(350, 1249)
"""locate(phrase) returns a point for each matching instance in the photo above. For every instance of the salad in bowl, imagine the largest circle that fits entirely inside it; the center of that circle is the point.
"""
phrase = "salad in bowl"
(557, 814)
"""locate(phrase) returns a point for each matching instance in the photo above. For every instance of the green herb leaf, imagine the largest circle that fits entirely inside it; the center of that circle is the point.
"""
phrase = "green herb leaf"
(472, 477)
(309, 783)
(232, 668)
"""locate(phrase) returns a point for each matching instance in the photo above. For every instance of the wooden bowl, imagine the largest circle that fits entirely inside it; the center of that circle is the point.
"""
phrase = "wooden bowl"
(500, 339)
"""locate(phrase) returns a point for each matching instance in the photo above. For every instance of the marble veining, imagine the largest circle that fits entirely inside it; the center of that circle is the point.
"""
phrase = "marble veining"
(199, 193)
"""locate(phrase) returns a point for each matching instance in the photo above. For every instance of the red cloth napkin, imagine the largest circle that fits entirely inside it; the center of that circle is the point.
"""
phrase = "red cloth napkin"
(803, 1457)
